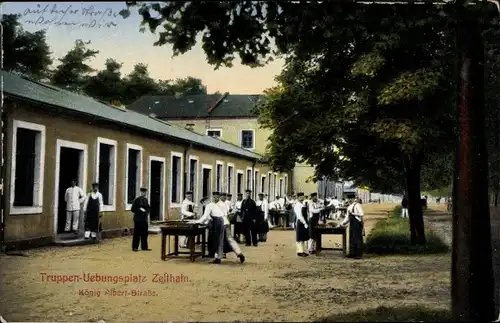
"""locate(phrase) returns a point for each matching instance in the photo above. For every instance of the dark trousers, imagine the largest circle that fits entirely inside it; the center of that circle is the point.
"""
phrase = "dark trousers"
(355, 237)
(238, 230)
(140, 236)
(250, 232)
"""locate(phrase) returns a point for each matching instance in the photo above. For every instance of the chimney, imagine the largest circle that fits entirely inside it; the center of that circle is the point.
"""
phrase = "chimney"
(190, 126)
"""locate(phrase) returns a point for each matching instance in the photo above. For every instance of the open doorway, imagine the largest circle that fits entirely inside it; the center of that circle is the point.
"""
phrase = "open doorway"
(71, 163)
(206, 178)
(157, 188)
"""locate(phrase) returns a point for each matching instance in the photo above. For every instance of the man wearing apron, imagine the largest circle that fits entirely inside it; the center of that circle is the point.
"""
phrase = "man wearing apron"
(262, 218)
(301, 226)
(92, 208)
(354, 218)
(314, 210)
(187, 213)
(238, 225)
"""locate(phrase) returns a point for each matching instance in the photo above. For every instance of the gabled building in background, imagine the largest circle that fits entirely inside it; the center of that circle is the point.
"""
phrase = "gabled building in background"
(229, 117)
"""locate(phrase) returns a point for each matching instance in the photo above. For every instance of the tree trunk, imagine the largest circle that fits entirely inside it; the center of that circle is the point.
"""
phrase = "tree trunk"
(413, 165)
(472, 282)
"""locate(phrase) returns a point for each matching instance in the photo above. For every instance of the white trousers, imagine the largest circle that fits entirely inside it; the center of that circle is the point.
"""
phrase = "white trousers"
(301, 246)
(72, 215)
(226, 236)
(89, 234)
(311, 245)
(404, 212)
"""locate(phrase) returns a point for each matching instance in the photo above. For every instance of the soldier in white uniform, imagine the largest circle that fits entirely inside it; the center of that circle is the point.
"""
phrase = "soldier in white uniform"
(301, 226)
(238, 225)
(73, 197)
(187, 213)
(314, 212)
(222, 234)
(354, 218)
(262, 218)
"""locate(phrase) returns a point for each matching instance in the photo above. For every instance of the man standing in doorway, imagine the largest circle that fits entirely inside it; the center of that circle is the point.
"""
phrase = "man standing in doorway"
(73, 197)
(249, 213)
(141, 209)
(92, 209)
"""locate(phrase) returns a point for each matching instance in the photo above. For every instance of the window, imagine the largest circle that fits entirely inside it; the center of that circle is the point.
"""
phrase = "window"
(193, 176)
(256, 183)
(28, 159)
(216, 133)
(263, 184)
(176, 178)
(239, 182)
(230, 174)
(286, 185)
(281, 186)
(247, 140)
(249, 179)
(269, 192)
(106, 171)
(218, 176)
(133, 173)
(275, 191)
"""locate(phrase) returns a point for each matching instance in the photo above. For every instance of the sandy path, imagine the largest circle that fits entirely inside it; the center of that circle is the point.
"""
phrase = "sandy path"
(273, 284)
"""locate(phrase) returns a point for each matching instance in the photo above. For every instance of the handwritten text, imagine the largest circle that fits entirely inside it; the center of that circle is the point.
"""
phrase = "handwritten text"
(83, 16)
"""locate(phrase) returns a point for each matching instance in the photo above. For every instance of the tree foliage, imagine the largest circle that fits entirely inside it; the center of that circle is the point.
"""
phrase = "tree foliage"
(74, 72)
(24, 52)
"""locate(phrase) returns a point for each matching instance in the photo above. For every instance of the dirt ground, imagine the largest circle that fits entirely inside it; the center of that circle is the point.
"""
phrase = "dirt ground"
(273, 284)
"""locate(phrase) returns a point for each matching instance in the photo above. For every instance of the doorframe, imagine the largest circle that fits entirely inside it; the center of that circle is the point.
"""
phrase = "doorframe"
(211, 168)
(163, 183)
(82, 172)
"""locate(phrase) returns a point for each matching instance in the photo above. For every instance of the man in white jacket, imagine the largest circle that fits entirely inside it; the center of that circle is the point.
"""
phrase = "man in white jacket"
(301, 226)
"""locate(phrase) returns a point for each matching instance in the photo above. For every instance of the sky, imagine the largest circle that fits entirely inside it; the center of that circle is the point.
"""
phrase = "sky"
(121, 39)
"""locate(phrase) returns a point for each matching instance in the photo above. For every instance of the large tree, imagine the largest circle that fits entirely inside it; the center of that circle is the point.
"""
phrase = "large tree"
(107, 85)
(24, 52)
(250, 29)
(73, 72)
(139, 83)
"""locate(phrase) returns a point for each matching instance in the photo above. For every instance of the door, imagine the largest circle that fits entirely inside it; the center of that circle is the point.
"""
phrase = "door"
(69, 170)
(156, 189)
(206, 182)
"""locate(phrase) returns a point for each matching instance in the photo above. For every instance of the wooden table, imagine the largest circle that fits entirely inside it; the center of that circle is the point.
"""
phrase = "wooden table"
(325, 230)
(193, 233)
(282, 217)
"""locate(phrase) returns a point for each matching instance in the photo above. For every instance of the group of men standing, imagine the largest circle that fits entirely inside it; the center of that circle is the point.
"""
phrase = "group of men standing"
(308, 213)
(249, 217)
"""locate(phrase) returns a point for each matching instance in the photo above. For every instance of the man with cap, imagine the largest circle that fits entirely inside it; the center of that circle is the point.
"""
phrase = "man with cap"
(314, 209)
(220, 223)
(354, 218)
(74, 197)
(187, 213)
(238, 225)
(210, 236)
(301, 226)
(249, 214)
(140, 209)
(229, 202)
(262, 218)
(92, 208)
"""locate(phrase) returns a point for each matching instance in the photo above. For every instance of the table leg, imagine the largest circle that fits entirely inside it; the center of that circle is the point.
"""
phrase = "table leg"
(204, 243)
(318, 243)
(344, 243)
(163, 246)
(176, 245)
(191, 247)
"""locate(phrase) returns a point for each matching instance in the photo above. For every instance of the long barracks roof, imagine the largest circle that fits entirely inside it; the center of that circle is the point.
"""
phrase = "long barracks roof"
(17, 86)
(197, 106)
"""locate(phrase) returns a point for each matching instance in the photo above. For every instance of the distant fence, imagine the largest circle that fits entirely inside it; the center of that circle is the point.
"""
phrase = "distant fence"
(328, 188)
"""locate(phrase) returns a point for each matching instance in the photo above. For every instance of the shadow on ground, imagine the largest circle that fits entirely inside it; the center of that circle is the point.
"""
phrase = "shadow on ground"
(392, 314)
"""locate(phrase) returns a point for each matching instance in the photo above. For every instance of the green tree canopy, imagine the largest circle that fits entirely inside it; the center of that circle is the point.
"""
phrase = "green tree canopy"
(24, 52)
(73, 72)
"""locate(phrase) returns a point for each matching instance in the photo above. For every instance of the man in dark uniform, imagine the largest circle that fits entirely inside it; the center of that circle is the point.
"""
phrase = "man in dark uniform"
(141, 209)
(249, 214)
